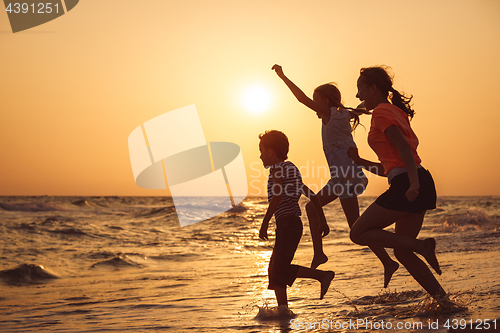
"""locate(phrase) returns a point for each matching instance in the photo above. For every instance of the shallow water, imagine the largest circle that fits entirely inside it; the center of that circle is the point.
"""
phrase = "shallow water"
(73, 264)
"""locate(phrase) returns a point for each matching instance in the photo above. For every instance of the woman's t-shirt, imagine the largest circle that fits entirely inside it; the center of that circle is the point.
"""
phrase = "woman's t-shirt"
(383, 116)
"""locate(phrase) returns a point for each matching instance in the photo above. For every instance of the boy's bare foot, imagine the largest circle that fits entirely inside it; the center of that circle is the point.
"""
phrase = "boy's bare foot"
(318, 260)
(430, 254)
(325, 282)
(389, 271)
(284, 311)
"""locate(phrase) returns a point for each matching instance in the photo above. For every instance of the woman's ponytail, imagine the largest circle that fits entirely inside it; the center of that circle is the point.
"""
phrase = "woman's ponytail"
(402, 102)
(379, 76)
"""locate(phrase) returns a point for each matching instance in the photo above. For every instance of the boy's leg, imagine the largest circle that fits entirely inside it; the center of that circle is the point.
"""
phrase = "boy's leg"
(281, 272)
(325, 196)
(351, 211)
(281, 296)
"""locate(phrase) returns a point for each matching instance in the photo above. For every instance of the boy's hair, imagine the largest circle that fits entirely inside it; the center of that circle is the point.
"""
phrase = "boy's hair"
(277, 141)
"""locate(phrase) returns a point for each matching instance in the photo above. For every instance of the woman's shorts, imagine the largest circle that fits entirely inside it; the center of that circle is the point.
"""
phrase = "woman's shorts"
(395, 197)
(288, 233)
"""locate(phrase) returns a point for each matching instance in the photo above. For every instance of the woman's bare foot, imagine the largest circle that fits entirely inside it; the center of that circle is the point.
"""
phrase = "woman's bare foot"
(430, 254)
(325, 282)
(389, 271)
(318, 260)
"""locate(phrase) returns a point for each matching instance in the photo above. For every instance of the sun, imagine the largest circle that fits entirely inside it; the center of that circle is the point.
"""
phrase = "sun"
(256, 99)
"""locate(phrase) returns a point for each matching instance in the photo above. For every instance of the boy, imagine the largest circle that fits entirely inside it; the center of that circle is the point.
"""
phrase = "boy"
(284, 189)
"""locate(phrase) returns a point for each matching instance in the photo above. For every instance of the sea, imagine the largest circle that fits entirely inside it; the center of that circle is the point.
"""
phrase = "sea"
(124, 264)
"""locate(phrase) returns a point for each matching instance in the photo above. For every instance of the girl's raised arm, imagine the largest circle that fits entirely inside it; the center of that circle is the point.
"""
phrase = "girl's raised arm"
(299, 94)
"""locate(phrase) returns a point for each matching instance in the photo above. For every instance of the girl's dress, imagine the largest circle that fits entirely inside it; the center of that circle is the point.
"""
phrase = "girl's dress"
(347, 178)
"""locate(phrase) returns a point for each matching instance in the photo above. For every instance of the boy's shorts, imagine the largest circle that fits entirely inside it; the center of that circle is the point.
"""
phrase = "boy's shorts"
(288, 233)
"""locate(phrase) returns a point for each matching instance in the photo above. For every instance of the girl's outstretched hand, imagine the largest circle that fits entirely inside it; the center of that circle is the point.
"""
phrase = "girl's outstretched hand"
(279, 70)
(352, 152)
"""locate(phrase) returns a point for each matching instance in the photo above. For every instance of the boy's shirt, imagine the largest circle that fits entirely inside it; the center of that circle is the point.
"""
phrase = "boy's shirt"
(291, 188)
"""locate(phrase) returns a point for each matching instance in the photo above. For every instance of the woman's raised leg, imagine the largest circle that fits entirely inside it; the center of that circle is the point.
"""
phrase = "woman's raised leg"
(351, 211)
(368, 230)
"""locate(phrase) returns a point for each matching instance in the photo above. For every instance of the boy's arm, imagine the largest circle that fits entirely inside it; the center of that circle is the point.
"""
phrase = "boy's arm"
(373, 167)
(299, 94)
(323, 226)
(273, 205)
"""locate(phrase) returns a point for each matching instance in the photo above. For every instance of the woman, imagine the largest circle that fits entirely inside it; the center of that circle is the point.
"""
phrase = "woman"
(411, 190)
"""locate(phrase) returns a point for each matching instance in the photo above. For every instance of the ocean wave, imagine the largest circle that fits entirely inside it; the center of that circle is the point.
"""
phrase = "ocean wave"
(175, 256)
(30, 227)
(238, 209)
(117, 263)
(69, 232)
(31, 207)
(34, 227)
(406, 304)
(161, 211)
(89, 204)
(51, 220)
(114, 227)
(27, 274)
(211, 207)
(101, 255)
(390, 297)
(81, 203)
(467, 220)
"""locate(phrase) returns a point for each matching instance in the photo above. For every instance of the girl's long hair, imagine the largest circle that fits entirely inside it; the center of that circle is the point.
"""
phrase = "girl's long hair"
(330, 91)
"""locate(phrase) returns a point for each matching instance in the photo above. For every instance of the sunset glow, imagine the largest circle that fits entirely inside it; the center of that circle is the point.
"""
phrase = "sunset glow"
(256, 99)
(75, 87)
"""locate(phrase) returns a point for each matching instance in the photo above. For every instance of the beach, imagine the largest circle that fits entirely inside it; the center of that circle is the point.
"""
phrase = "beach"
(93, 264)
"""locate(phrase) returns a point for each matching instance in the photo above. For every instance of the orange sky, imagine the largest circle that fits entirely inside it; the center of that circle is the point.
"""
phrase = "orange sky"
(74, 88)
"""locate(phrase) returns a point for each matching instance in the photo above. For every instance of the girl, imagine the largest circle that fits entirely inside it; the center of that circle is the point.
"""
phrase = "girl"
(347, 179)
(411, 190)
